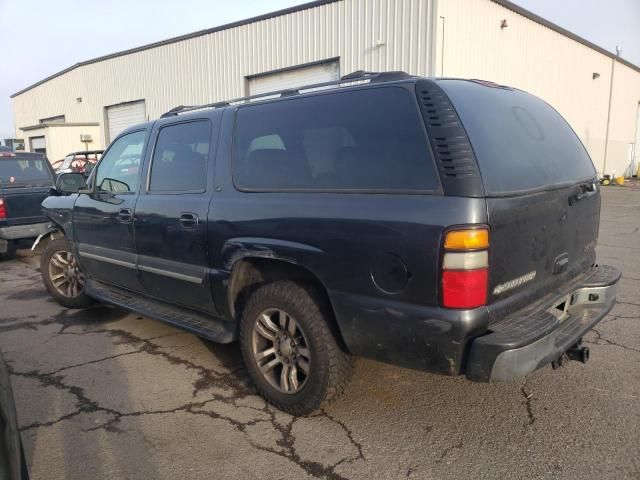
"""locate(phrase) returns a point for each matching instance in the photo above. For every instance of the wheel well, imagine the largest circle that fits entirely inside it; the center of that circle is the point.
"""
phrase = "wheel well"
(50, 236)
(251, 273)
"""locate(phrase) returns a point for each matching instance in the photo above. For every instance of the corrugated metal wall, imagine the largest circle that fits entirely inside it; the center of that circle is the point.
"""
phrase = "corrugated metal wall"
(64, 140)
(539, 60)
(373, 35)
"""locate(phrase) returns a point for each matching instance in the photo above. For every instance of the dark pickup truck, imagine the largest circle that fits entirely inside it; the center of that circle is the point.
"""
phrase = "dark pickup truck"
(441, 224)
(25, 181)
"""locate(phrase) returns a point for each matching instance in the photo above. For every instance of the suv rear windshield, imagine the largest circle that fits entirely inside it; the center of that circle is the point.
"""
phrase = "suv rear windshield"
(521, 142)
(19, 172)
(371, 140)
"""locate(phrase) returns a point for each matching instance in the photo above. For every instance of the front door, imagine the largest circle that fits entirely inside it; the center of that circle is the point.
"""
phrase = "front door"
(171, 213)
(103, 219)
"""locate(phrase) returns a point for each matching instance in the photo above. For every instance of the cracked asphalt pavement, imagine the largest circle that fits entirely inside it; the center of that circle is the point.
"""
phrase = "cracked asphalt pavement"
(105, 394)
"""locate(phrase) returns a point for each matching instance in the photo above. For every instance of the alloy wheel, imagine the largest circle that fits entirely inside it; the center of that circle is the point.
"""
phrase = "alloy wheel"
(65, 274)
(281, 351)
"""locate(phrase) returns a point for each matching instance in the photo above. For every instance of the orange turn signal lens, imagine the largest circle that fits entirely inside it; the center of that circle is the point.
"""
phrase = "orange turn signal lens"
(471, 239)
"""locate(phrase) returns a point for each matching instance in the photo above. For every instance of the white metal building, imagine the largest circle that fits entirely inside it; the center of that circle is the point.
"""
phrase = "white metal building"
(598, 92)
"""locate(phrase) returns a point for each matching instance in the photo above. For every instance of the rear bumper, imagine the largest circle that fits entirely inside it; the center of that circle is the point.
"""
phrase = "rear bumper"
(524, 342)
(16, 232)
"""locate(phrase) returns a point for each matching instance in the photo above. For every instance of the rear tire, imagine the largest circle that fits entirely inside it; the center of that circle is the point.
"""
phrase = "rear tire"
(290, 351)
(62, 276)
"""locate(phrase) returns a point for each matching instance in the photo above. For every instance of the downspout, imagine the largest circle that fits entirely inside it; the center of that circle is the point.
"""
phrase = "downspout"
(442, 49)
(433, 37)
(606, 138)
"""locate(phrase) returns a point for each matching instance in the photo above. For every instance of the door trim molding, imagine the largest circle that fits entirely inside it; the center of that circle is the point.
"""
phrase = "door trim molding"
(167, 273)
(113, 261)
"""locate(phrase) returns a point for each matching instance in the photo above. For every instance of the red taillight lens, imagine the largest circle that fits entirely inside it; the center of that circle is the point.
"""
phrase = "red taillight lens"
(465, 267)
(3, 209)
(464, 288)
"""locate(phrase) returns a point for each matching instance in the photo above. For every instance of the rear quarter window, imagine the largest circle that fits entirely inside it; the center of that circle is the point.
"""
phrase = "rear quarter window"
(363, 140)
(521, 143)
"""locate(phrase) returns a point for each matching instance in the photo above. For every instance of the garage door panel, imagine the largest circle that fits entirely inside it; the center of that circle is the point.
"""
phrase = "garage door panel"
(38, 143)
(120, 117)
(294, 77)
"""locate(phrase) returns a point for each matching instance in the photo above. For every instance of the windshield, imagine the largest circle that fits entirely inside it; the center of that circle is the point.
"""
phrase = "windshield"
(19, 172)
(66, 163)
(520, 141)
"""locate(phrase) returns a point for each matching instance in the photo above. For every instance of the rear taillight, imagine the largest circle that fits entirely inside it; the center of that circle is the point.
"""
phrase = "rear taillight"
(3, 209)
(465, 268)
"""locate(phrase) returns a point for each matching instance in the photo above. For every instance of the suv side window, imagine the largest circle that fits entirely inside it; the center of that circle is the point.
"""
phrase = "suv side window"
(363, 140)
(180, 156)
(118, 170)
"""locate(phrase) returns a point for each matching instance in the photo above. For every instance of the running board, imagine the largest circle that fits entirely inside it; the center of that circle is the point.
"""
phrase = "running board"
(206, 326)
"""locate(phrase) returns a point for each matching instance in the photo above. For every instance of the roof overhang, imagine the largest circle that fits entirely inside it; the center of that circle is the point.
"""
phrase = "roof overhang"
(67, 124)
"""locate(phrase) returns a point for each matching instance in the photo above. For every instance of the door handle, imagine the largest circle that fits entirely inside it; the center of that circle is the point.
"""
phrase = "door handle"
(189, 220)
(125, 215)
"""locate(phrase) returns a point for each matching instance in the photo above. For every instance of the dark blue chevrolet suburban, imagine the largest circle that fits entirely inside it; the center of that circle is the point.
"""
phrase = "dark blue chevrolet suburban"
(440, 224)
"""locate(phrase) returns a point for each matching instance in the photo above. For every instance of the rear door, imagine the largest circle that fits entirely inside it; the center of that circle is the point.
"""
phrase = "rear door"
(25, 182)
(543, 201)
(103, 220)
(171, 214)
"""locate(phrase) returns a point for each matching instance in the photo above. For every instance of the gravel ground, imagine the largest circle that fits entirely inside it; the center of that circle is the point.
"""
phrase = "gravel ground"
(102, 393)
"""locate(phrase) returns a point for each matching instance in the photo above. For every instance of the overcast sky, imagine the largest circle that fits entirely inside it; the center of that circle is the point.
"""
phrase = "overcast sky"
(38, 38)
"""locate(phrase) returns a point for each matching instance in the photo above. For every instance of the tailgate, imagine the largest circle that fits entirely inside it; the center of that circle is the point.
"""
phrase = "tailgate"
(538, 242)
(22, 204)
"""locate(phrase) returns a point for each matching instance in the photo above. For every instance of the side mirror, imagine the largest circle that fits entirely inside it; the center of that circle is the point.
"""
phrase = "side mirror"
(68, 183)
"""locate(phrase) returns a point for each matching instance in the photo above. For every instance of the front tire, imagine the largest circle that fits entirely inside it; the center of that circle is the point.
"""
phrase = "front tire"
(62, 275)
(290, 351)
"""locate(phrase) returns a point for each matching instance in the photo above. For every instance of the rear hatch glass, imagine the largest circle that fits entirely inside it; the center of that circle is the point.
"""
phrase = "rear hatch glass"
(543, 203)
(520, 141)
(20, 172)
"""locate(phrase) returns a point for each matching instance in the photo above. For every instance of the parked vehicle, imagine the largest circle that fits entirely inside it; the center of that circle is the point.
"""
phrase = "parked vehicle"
(25, 181)
(440, 224)
(78, 162)
(12, 461)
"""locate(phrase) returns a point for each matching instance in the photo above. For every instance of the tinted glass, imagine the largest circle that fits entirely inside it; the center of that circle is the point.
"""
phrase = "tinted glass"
(118, 170)
(18, 172)
(180, 158)
(521, 143)
(366, 140)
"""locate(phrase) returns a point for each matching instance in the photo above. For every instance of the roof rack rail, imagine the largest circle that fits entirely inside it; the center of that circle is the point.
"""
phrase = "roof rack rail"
(375, 76)
(174, 111)
(357, 76)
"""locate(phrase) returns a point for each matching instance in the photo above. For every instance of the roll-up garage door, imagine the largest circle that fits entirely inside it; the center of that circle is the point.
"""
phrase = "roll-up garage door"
(123, 116)
(294, 77)
(38, 145)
